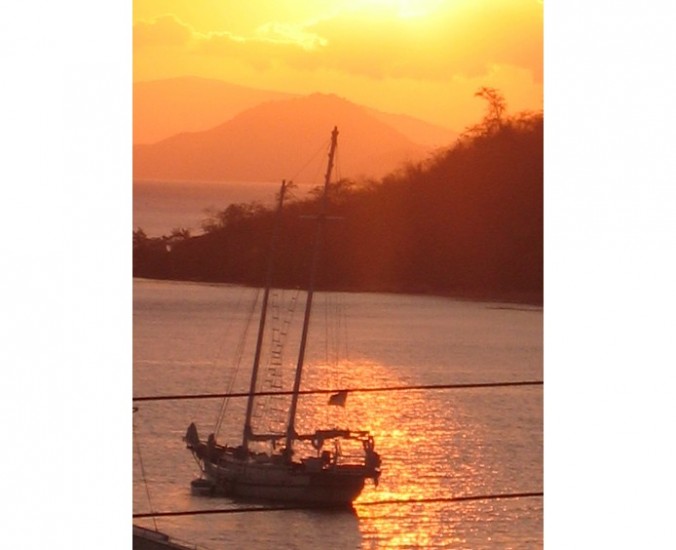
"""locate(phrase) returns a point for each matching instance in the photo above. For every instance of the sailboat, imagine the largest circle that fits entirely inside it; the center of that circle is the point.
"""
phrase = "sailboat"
(325, 477)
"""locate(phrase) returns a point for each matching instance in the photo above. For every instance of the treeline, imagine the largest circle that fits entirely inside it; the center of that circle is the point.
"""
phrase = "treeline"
(468, 222)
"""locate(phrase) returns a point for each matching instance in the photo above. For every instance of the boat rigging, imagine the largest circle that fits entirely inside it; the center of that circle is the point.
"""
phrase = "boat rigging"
(327, 477)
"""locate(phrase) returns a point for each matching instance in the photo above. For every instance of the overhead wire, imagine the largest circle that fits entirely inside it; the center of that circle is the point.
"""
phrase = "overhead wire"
(244, 509)
(418, 387)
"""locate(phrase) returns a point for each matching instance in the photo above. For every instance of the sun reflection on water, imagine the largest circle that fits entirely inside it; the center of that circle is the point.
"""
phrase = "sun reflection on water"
(433, 444)
(424, 443)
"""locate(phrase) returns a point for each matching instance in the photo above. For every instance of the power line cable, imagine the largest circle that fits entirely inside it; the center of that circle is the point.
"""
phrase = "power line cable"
(420, 387)
(499, 496)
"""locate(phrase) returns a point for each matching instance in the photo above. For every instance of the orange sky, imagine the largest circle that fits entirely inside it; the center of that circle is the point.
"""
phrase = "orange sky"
(424, 58)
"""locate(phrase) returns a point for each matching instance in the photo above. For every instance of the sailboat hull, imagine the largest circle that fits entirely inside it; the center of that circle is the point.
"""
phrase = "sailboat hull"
(325, 480)
(288, 483)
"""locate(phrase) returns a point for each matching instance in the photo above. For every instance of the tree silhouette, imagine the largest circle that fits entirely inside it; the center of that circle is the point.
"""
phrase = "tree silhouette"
(494, 118)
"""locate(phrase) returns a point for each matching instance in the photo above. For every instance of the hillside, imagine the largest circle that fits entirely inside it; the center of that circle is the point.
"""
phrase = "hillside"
(276, 140)
(468, 222)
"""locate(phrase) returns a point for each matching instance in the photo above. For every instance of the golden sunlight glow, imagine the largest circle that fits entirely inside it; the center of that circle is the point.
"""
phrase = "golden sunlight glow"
(401, 428)
(423, 58)
(403, 8)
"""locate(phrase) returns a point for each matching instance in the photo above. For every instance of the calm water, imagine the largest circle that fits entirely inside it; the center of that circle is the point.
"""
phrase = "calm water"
(434, 444)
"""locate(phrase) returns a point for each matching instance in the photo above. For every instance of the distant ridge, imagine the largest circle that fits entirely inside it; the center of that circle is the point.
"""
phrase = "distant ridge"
(275, 140)
(417, 130)
(163, 108)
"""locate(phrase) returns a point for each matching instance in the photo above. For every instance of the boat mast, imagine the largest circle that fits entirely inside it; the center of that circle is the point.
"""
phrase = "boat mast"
(248, 432)
(321, 220)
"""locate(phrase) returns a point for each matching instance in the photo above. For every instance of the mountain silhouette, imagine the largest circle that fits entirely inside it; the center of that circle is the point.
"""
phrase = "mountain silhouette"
(280, 140)
(170, 106)
(163, 108)
(418, 131)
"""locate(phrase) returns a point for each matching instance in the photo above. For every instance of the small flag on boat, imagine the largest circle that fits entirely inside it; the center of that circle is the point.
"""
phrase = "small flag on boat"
(338, 398)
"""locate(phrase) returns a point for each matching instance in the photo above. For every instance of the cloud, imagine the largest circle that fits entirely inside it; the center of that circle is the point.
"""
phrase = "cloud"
(377, 43)
(163, 31)
(383, 44)
(273, 42)
(290, 34)
(258, 52)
